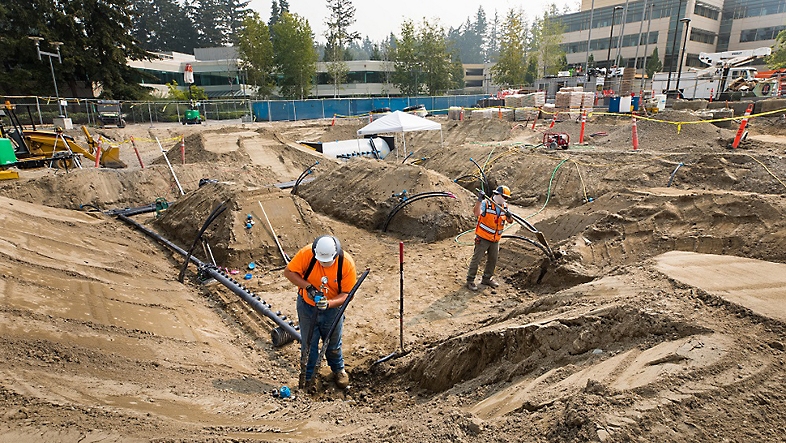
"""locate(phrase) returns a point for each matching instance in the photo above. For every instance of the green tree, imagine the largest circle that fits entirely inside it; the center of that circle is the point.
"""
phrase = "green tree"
(436, 60)
(340, 19)
(778, 58)
(423, 62)
(256, 54)
(492, 39)
(406, 62)
(196, 93)
(294, 55)
(546, 39)
(211, 23)
(163, 25)
(653, 63)
(97, 42)
(531, 73)
(511, 64)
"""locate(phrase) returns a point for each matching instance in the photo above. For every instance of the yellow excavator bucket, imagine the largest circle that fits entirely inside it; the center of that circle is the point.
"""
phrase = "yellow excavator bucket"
(45, 143)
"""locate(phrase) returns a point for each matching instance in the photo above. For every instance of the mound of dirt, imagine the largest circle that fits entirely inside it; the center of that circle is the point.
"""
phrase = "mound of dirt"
(362, 191)
(232, 241)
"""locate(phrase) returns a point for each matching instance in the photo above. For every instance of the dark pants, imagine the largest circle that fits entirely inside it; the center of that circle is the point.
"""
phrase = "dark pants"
(483, 246)
(318, 323)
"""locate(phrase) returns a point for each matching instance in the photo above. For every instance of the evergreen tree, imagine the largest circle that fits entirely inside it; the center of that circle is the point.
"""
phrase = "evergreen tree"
(492, 39)
(97, 42)
(256, 53)
(163, 25)
(340, 19)
(511, 64)
(531, 73)
(294, 56)
(211, 23)
(236, 12)
(653, 63)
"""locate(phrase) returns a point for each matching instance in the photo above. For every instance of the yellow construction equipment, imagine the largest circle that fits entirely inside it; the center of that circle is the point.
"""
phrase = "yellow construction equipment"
(55, 148)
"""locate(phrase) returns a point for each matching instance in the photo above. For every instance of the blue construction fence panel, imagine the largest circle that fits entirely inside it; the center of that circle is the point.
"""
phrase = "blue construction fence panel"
(291, 110)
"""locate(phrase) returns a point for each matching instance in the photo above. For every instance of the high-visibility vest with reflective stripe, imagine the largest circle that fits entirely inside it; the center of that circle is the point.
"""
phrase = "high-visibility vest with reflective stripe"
(490, 223)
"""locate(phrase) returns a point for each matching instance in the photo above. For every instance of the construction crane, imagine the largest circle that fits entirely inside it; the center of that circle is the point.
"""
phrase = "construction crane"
(724, 74)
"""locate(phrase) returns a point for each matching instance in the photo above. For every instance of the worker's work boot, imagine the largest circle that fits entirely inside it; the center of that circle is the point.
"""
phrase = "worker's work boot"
(341, 378)
(472, 286)
(490, 283)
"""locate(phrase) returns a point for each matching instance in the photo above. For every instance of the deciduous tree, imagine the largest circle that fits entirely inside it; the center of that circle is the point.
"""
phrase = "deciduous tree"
(256, 54)
(294, 55)
(778, 58)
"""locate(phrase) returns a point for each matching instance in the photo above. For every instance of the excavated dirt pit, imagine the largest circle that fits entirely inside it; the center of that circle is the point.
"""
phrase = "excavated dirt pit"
(660, 319)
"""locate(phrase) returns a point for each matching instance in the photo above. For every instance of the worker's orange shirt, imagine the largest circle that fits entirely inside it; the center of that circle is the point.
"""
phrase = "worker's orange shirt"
(299, 265)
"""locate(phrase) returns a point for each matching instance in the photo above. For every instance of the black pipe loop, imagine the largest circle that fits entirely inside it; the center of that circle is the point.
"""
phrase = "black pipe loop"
(412, 199)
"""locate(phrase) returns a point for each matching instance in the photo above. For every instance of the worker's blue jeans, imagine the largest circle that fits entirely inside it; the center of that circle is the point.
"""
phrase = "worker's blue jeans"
(317, 323)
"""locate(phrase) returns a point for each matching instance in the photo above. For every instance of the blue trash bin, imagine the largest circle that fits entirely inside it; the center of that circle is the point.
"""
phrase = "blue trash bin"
(614, 104)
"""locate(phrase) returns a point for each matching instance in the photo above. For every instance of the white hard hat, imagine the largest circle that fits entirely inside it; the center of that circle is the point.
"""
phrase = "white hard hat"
(325, 249)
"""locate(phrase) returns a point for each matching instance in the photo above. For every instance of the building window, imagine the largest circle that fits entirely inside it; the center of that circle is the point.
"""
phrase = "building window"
(702, 36)
(755, 35)
(705, 10)
(759, 8)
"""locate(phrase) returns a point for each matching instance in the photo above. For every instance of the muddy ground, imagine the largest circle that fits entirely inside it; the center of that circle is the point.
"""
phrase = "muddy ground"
(661, 319)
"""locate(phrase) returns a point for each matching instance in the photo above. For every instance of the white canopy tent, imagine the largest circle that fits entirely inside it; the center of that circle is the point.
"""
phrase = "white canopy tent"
(401, 122)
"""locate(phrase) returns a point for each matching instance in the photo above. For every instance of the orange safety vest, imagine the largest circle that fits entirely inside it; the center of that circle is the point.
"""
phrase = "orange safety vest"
(490, 223)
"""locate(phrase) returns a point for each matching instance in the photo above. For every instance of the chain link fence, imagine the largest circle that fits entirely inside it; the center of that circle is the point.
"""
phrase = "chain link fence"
(34, 111)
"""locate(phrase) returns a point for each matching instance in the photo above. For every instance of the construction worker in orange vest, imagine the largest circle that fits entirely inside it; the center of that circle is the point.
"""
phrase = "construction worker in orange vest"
(491, 220)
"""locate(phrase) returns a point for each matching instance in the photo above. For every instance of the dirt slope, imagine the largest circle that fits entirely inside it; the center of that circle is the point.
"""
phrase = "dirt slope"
(651, 326)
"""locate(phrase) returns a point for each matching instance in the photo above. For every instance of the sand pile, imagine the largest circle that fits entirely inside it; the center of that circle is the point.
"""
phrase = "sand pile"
(361, 193)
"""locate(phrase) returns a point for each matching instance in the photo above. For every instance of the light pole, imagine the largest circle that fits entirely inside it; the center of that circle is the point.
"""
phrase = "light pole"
(57, 45)
(673, 44)
(682, 54)
(589, 39)
(608, 54)
(647, 46)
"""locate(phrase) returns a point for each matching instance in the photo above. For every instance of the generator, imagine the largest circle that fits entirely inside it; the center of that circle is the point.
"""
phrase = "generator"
(556, 140)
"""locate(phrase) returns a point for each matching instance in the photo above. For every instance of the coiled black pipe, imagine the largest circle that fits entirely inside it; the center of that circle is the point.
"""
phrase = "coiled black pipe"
(674, 173)
(253, 300)
(412, 199)
(303, 175)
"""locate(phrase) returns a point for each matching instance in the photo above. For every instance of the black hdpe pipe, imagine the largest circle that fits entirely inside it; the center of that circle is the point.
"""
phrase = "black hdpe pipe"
(412, 199)
(671, 178)
(287, 332)
(485, 184)
(218, 210)
(530, 241)
(541, 238)
(333, 326)
(303, 175)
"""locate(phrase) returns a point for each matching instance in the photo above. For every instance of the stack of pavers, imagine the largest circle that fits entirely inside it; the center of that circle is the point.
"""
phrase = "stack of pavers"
(525, 106)
(570, 101)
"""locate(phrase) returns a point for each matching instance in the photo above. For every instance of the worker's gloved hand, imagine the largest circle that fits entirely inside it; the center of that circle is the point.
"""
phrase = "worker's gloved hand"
(508, 215)
(481, 196)
(321, 302)
(312, 292)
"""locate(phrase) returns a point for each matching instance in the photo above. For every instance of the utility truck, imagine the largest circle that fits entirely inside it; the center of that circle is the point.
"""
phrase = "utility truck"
(724, 79)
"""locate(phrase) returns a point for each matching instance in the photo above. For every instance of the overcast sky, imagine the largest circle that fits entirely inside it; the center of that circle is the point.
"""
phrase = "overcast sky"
(377, 19)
